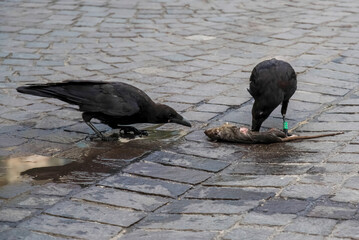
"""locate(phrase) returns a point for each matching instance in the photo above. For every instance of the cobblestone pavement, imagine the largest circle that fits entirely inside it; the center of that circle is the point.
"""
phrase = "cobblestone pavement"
(195, 56)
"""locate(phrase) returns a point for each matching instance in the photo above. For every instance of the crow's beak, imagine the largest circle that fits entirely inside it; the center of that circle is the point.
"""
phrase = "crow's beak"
(182, 121)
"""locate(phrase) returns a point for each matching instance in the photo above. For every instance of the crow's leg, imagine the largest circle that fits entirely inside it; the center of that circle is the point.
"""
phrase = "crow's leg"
(87, 119)
(136, 132)
(283, 112)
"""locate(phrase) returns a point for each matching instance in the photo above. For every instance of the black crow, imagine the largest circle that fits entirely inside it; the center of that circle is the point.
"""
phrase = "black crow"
(113, 103)
(272, 82)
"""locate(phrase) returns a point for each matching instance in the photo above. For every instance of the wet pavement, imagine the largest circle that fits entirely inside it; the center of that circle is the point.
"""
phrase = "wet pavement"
(195, 56)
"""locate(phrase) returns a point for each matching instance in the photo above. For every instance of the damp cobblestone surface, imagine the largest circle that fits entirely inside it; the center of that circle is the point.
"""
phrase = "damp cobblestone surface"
(195, 56)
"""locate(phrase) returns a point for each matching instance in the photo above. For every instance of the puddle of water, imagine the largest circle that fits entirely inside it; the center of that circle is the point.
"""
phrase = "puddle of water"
(12, 167)
(86, 161)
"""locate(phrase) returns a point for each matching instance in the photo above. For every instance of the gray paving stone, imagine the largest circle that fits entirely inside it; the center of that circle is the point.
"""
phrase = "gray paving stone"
(14, 214)
(70, 227)
(268, 169)
(199, 116)
(177, 58)
(10, 141)
(209, 206)
(64, 33)
(188, 222)
(343, 168)
(333, 212)
(249, 181)
(201, 78)
(12, 190)
(26, 234)
(185, 99)
(226, 193)
(182, 160)
(210, 150)
(305, 191)
(10, 29)
(349, 229)
(311, 226)
(346, 195)
(121, 198)
(53, 122)
(351, 148)
(35, 201)
(3, 228)
(334, 238)
(352, 182)
(344, 157)
(19, 116)
(167, 172)
(321, 179)
(97, 213)
(145, 185)
(265, 219)
(164, 235)
(26, 56)
(249, 233)
(56, 189)
(212, 108)
(229, 101)
(18, 62)
(271, 156)
(308, 146)
(289, 206)
(296, 236)
(36, 31)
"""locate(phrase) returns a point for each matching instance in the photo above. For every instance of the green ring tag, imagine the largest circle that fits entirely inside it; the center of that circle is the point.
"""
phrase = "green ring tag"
(285, 125)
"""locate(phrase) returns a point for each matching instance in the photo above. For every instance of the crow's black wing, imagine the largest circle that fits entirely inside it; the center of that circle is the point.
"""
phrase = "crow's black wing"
(272, 78)
(115, 99)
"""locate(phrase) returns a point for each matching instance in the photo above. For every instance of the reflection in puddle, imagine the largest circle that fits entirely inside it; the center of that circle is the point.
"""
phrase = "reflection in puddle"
(12, 167)
(85, 162)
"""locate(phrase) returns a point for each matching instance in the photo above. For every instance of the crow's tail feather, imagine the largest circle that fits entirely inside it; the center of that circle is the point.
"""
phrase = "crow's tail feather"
(51, 91)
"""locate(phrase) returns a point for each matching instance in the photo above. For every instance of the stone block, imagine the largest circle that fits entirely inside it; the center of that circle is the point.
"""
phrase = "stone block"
(266, 219)
(165, 235)
(346, 195)
(121, 198)
(96, 212)
(188, 222)
(167, 172)
(306, 191)
(14, 214)
(227, 180)
(347, 229)
(70, 227)
(187, 161)
(317, 226)
(296, 236)
(145, 185)
(227, 193)
(249, 233)
(332, 212)
(282, 206)
(193, 206)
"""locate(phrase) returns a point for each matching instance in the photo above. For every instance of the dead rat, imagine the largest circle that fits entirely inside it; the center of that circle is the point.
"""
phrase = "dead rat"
(231, 133)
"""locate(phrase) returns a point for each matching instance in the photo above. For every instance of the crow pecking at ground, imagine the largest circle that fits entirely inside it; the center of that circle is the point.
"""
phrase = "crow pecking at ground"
(272, 82)
(113, 103)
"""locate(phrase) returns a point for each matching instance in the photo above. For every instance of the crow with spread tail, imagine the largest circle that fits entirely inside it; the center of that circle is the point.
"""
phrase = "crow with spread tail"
(113, 103)
(272, 82)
